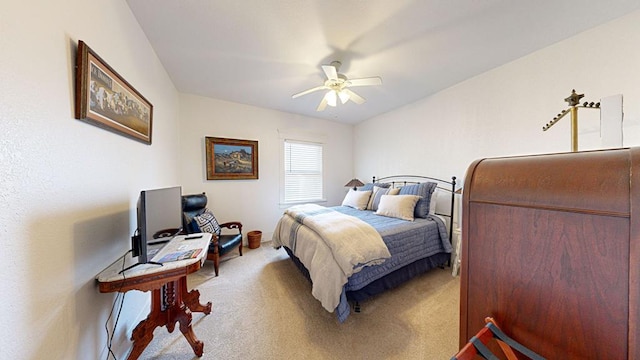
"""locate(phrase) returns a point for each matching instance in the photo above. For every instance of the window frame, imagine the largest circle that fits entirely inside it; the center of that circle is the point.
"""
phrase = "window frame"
(302, 138)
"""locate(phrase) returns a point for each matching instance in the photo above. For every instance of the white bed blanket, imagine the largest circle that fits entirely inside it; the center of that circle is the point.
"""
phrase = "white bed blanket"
(331, 245)
(353, 242)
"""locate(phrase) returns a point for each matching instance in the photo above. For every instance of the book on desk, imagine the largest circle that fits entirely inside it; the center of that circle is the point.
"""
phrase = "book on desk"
(180, 255)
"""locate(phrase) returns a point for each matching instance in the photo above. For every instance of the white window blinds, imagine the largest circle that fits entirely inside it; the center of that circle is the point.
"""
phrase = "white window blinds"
(302, 171)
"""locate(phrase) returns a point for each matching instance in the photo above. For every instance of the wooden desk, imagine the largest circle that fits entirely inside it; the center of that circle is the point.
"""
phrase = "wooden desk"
(170, 300)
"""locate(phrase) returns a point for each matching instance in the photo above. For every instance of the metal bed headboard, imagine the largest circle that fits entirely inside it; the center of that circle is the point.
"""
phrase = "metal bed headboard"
(444, 185)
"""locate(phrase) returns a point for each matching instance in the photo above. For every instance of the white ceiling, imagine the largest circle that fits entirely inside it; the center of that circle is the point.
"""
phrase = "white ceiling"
(260, 52)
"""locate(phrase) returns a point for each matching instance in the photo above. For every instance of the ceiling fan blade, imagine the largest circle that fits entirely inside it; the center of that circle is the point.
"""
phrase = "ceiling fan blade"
(354, 97)
(322, 87)
(330, 71)
(376, 80)
(323, 104)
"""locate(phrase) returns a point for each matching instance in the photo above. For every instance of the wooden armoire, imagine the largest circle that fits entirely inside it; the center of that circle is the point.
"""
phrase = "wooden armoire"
(551, 251)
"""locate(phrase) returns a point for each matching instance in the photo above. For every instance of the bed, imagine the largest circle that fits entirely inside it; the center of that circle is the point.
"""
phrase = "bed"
(344, 268)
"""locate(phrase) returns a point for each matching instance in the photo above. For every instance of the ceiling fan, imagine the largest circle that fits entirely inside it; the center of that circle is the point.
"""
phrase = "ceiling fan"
(337, 86)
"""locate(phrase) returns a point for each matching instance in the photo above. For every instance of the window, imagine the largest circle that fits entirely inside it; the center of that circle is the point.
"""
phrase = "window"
(302, 172)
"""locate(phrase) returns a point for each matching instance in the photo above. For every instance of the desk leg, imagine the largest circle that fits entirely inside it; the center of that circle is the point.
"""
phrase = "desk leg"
(180, 313)
(192, 299)
(143, 333)
(185, 327)
(175, 310)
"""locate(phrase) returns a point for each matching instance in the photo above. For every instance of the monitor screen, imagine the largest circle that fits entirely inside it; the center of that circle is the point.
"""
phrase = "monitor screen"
(163, 214)
(159, 219)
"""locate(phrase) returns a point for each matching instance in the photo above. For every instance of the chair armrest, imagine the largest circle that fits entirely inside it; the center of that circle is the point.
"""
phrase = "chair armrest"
(232, 225)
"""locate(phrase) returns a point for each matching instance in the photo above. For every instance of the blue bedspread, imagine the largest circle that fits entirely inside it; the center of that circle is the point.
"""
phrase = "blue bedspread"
(407, 242)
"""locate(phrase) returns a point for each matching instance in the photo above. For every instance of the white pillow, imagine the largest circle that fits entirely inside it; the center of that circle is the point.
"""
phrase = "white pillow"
(357, 199)
(398, 206)
(434, 201)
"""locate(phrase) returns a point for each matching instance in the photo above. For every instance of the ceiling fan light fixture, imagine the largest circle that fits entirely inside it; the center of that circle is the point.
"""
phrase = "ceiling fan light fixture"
(332, 98)
(338, 87)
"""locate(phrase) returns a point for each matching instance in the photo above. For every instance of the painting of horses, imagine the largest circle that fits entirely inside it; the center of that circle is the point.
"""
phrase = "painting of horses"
(105, 99)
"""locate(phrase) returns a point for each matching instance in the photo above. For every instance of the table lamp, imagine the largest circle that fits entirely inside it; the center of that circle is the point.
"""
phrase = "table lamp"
(355, 183)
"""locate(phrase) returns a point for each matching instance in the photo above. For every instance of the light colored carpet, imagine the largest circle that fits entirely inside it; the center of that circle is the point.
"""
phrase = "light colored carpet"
(263, 309)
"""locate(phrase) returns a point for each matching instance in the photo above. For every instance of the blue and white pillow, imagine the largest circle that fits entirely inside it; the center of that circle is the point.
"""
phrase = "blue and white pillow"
(377, 193)
(424, 190)
(206, 222)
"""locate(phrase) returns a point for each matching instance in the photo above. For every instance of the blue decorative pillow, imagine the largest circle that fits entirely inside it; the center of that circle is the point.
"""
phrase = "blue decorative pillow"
(206, 222)
(369, 186)
(424, 190)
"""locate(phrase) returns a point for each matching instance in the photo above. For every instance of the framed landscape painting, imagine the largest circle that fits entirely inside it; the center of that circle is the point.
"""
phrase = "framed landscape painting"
(231, 159)
(103, 98)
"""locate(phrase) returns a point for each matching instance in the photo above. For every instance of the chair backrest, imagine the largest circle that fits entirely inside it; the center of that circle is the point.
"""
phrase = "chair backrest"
(192, 205)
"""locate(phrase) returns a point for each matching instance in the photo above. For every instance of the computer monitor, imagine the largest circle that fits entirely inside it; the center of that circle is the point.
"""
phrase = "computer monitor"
(159, 220)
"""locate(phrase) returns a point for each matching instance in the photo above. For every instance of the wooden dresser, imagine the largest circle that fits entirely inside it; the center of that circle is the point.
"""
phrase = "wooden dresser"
(551, 250)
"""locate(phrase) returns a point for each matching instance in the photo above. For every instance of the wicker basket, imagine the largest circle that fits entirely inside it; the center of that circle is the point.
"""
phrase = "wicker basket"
(254, 238)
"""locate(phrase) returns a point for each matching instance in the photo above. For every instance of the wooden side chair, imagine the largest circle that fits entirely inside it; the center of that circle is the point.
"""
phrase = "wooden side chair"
(198, 218)
(477, 345)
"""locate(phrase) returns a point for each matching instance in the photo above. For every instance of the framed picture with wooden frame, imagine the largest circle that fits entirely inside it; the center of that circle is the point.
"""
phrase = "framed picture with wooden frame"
(105, 99)
(231, 159)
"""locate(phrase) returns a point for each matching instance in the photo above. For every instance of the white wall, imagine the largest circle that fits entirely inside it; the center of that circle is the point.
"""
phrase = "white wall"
(255, 202)
(68, 189)
(502, 112)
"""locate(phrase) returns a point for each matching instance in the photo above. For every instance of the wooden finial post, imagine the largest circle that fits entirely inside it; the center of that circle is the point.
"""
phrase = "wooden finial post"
(574, 101)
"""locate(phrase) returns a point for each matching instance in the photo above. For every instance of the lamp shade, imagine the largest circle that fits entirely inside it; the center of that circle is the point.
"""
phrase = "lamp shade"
(332, 98)
(355, 183)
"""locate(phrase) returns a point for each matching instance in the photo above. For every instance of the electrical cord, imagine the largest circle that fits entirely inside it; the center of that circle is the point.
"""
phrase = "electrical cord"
(115, 301)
